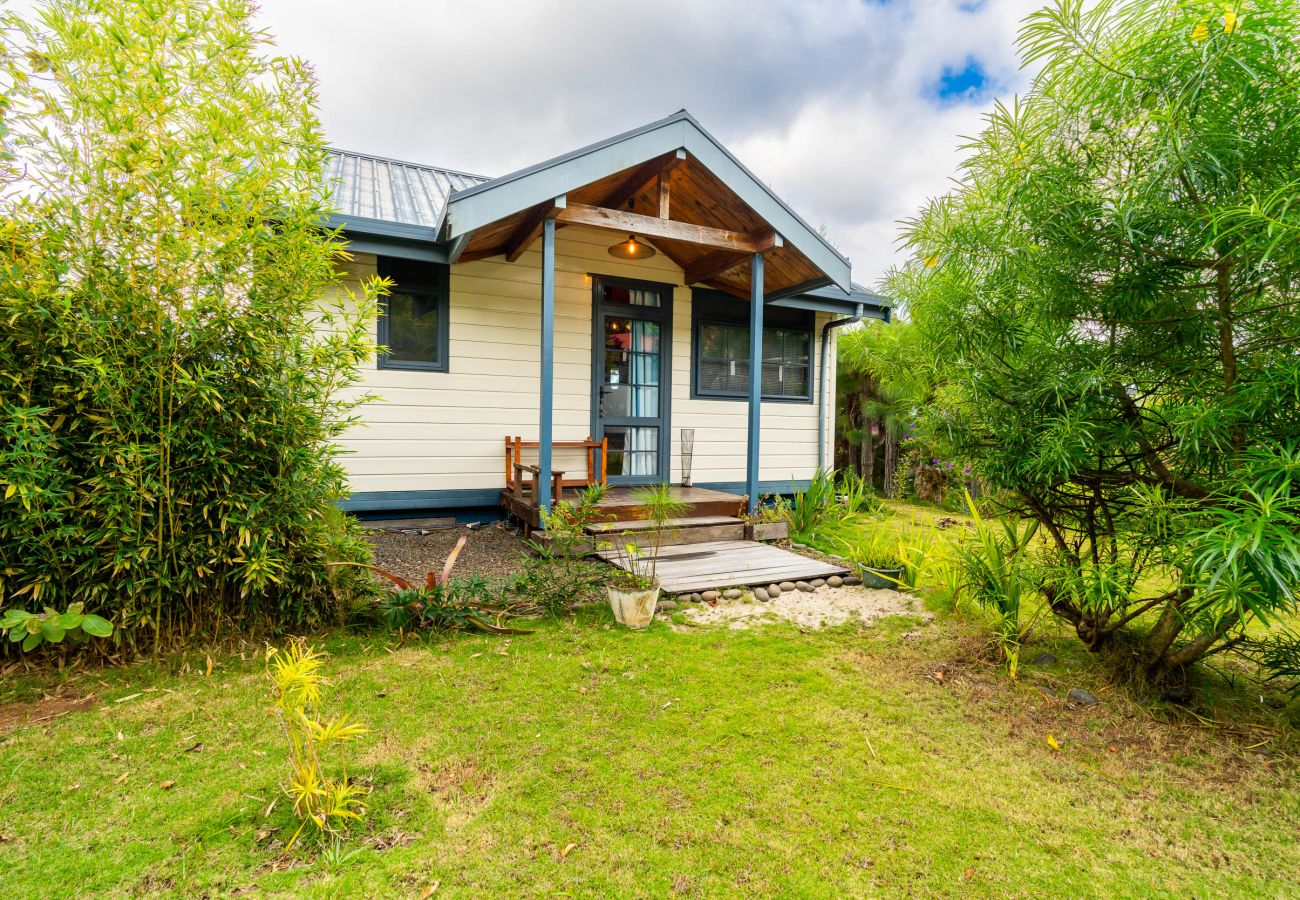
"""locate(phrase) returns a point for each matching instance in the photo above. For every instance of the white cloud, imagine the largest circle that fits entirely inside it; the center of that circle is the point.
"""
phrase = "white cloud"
(828, 101)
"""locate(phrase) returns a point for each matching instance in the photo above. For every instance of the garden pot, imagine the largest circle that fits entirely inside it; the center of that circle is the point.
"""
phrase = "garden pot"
(767, 531)
(633, 607)
(881, 579)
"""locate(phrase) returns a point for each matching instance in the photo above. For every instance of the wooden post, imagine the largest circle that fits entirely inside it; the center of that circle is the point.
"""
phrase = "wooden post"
(545, 429)
(755, 378)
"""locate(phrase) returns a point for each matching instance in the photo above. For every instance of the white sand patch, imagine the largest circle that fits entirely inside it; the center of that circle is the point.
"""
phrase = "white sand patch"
(824, 607)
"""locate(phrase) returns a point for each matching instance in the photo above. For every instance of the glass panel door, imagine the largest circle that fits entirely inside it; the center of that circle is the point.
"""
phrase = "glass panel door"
(630, 375)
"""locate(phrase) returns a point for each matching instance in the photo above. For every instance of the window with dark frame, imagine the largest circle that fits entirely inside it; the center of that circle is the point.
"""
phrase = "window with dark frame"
(413, 323)
(720, 349)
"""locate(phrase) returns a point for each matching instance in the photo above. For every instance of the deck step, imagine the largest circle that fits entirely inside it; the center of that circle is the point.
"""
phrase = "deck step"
(692, 530)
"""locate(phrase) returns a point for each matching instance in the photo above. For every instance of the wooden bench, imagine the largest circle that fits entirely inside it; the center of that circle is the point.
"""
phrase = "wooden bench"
(516, 469)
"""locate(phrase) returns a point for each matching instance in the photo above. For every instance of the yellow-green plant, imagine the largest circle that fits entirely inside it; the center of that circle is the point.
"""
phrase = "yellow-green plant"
(177, 340)
(327, 803)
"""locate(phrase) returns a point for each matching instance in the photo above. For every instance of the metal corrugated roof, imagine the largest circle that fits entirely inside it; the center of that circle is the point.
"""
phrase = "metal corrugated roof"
(389, 190)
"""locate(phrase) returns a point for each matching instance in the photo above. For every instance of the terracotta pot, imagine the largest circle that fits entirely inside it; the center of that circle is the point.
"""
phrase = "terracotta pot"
(633, 607)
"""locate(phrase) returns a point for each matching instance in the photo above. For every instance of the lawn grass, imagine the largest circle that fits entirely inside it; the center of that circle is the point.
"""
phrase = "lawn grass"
(700, 762)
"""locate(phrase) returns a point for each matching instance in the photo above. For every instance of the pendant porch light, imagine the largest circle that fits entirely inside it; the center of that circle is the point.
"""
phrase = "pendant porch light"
(632, 249)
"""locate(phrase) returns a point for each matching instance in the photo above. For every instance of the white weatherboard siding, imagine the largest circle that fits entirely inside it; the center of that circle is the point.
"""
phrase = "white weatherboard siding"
(445, 431)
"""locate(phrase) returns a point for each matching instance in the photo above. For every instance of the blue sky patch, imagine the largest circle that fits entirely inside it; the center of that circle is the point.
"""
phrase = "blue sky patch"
(969, 84)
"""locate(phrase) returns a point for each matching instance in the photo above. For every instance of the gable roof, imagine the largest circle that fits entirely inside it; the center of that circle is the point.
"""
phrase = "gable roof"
(509, 195)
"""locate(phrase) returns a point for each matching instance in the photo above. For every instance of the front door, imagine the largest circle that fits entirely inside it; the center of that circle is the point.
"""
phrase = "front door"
(631, 368)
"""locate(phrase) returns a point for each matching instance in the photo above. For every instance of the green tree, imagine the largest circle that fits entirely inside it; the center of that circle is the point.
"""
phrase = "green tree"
(169, 378)
(1111, 292)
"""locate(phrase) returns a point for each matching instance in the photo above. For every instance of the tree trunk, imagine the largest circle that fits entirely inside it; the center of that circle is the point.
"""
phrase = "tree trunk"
(891, 464)
(869, 453)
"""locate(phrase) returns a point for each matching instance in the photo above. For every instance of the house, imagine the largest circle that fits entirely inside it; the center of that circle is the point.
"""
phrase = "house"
(609, 293)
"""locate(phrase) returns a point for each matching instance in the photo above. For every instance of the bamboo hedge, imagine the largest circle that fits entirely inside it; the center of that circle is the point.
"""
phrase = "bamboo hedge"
(171, 381)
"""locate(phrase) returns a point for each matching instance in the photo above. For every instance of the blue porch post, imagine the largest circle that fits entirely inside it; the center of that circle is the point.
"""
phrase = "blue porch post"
(547, 399)
(755, 378)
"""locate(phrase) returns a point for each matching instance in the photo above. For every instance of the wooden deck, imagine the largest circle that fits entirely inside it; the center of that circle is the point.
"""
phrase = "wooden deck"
(687, 568)
(620, 504)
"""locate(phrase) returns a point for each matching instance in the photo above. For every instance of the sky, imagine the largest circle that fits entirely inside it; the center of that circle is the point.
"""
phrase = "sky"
(852, 111)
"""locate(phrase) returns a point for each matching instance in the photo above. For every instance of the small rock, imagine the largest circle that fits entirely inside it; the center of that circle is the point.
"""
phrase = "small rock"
(773, 591)
(835, 581)
(710, 596)
(760, 594)
(1081, 698)
(787, 586)
(835, 557)
(799, 546)
(853, 579)
(732, 594)
(1043, 659)
(696, 598)
(818, 582)
(805, 587)
(668, 605)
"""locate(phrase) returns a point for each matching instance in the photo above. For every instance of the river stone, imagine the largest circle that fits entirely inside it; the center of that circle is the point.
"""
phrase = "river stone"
(1082, 698)
(819, 582)
(760, 594)
(853, 579)
(694, 598)
(787, 586)
(799, 546)
(805, 587)
(667, 605)
(733, 593)
(710, 596)
(1043, 659)
(773, 591)
(835, 581)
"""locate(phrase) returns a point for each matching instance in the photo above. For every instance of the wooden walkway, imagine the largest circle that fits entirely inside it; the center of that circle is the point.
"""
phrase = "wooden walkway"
(701, 567)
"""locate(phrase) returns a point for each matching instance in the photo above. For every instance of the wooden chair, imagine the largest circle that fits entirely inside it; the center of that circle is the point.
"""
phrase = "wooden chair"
(516, 469)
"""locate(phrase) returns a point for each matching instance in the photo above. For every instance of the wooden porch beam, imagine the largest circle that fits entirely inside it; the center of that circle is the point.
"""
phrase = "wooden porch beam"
(712, 264)
(641, 176)
(652, 226)
(531, 228)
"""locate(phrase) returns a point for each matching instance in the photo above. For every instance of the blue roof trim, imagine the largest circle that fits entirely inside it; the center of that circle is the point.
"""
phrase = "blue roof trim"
(473, 207)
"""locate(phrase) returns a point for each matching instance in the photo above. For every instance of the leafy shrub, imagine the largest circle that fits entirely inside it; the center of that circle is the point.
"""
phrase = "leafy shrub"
(998, 573)
(855, 495)
(555, 575)
(32, 629)
(816, 506)
(170, 376)
(327, 803)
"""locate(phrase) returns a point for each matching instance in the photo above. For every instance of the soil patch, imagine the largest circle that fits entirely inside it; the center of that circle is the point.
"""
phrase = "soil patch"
(492, 552)
(824, 607)
(47, 709)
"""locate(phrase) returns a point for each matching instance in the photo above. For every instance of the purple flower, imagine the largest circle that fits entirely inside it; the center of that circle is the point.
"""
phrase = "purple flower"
(966, 471)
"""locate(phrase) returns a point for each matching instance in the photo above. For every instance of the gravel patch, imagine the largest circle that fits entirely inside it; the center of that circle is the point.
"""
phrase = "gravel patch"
(493, 552)
(822, 608)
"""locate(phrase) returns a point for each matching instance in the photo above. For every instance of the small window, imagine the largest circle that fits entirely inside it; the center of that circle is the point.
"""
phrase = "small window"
(721, 350)
(413, 324)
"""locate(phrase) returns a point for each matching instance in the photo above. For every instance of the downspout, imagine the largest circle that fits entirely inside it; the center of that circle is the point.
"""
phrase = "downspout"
(821, 394)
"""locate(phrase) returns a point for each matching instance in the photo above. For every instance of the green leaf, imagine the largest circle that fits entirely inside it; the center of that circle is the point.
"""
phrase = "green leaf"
(69, 620)
(96, 626)
(31, 641)
(53, 631)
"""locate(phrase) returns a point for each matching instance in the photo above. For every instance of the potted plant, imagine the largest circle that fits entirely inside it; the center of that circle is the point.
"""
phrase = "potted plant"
(634, 594)
(768, 522)
(879, 562)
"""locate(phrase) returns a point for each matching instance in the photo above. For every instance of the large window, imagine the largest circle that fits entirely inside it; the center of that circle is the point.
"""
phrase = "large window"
(721, 350)
(413, 324)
